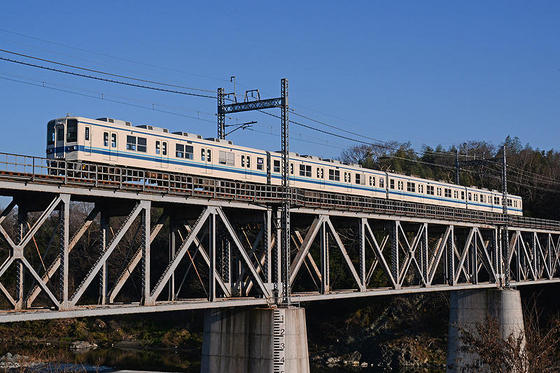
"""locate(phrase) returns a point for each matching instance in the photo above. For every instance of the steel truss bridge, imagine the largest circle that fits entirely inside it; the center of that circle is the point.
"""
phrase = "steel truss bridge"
(161, 241)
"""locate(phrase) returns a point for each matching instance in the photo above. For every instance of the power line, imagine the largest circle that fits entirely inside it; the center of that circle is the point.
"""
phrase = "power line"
(103, 72)
(105, 99)
(106, 80)
(108, 55)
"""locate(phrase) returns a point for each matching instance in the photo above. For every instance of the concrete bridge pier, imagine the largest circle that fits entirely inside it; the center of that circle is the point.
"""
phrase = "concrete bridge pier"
(470, 307)
(263, 340)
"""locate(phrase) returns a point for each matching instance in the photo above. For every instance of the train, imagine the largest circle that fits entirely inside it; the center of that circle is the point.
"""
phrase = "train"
(109, 141)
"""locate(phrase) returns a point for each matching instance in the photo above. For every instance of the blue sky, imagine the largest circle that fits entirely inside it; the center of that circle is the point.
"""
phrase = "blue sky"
(428, 72)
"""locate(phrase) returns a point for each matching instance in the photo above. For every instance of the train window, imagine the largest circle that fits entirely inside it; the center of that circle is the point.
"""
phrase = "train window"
(371, 181)
(158, 147)
(420, 188)
(106, 140)
(509, 202)
(260, 163)
(469, 195)
(482, 199)
(358, 179)
(86, 136)
(400, 185)
(381, 182)
(226, 158)
(202, 154)
(248, 162)
(72, 130)
(60, 133)
(50, 133)
(447, 192)
(291, 168)
(439, 192)
(392, 183)
(455, 194)
(141, 144)
(304, 170)
(318, 173)
(189, 150)
(180, 151)
(410, 187)
(276, 165)
(209, 155)
(164, 148)
(114, 140)
(430, 189)
(463, 194)
(242, 161)
(496, 200)
(334, 175)
(130, 142)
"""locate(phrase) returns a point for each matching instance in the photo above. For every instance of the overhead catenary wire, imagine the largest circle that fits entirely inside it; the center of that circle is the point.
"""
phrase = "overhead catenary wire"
(114, 81)
(103, 72)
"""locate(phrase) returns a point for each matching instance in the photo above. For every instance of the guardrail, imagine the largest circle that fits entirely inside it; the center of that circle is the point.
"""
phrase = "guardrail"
(91, 175)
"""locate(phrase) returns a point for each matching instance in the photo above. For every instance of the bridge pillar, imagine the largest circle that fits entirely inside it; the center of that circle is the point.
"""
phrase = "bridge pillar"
(263, 340)
(470, 307)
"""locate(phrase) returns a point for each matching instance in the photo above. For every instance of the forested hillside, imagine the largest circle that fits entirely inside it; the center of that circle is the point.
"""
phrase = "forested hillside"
(533, 173)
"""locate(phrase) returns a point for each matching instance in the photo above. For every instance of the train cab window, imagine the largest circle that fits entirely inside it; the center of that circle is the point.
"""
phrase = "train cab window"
(410, 187)
(86, 135)
(60, 133)
(114, 140)
(202, 154)
(141, 144)
(334, 175)
(208, 155)
(158, 147)
(462, 194)
(50, 133)
(392, 183)
(469, 195)
(276, 165)
(72, 130)
(106, 141)
(381, 183)
(447, 192)
(260, 163)
(430, 190)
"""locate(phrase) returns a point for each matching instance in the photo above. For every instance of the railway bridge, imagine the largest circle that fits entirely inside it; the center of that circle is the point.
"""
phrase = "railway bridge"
(156, 242)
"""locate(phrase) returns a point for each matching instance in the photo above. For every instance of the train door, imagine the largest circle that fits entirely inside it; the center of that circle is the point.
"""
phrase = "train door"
(59, 140)
(87, 140)
(113, 155)
(161, 152)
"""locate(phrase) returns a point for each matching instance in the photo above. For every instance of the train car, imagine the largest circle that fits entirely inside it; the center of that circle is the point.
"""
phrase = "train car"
(113, 142)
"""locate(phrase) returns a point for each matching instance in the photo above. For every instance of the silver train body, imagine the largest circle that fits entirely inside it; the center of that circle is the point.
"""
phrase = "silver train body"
(116, 142)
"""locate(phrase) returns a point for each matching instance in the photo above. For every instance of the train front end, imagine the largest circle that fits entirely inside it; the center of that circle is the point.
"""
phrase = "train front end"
(62, 138)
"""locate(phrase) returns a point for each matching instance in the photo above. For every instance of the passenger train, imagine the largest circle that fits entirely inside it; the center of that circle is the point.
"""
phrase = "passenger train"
(116, 142)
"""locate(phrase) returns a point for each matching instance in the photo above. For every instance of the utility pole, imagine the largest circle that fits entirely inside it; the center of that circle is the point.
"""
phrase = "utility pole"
(253, 102)
(505, 238)
(457, 169)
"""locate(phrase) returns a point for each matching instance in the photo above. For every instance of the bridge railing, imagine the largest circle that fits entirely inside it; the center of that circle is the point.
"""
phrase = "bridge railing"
(84, 174)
